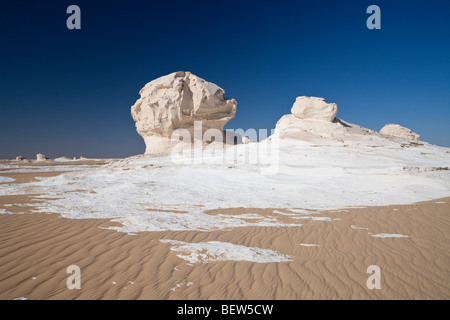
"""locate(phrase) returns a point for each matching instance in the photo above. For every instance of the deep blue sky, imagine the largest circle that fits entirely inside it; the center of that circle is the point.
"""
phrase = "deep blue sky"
(69, 92)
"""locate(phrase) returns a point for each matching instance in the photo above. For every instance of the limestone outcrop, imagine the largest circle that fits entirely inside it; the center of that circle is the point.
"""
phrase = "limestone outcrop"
(175, 102)
(314, 121)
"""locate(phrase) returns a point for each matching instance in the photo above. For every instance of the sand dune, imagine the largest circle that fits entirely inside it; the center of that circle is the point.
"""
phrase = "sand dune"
(36, 249)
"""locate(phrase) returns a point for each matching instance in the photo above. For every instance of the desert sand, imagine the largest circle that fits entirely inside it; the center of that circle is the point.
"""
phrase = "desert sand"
(300, 214)
(329, 257)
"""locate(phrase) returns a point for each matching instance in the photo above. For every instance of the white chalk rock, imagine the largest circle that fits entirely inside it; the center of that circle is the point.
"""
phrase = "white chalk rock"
(176, 101)
(20, 158)
(234, 138)
(399, 131)
(314, 121)
(314, 108)
(309, 129)
(41, 157)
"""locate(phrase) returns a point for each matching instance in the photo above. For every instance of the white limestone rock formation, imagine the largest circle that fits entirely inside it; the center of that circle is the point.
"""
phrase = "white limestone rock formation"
(176, 101)
(314, 121)
(314, 108)
(399, 131)
(20, 158)
(41, 157)
(309, 129)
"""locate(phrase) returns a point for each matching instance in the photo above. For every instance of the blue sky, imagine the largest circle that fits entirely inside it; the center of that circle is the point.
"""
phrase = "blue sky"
(69, 92)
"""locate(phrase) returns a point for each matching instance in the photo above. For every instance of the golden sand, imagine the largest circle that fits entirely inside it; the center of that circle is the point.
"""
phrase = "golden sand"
(37, 248)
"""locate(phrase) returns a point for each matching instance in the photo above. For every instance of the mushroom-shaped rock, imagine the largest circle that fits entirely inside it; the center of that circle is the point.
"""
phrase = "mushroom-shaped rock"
(176, 101)
(399, 131)
(314, 108)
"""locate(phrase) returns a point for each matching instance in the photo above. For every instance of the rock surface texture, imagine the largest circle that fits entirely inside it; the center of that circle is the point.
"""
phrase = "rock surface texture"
(314, 108)
(399, 131)
(176, 101)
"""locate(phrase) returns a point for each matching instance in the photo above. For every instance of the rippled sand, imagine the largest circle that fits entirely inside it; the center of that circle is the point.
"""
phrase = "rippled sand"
(329, 256)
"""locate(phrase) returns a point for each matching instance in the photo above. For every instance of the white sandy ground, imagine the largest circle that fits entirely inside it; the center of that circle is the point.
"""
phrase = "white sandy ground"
(12, 168)
(179, 285)
(157, 193)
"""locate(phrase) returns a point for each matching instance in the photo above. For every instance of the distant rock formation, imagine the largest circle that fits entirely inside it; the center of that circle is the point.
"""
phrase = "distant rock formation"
(174, 102)
(399, 131)
(314, 108)
(20, 158)
(41, 157)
